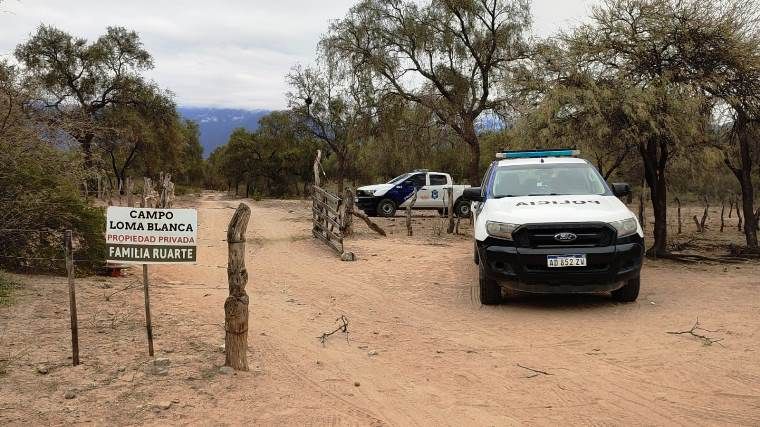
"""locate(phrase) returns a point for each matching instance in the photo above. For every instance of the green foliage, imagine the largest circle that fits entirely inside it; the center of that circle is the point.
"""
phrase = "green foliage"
(270, 162)
(39, 192)
(40, 179)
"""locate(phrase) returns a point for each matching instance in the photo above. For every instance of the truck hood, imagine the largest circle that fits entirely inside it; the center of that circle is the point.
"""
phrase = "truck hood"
(548, 209)
(382, 188)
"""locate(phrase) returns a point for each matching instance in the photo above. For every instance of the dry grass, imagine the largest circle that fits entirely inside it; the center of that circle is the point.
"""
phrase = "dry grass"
(7, 289)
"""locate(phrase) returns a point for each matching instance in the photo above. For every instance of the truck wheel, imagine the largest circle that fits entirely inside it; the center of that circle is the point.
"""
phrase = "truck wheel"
(386, 208)
(629, 292)
(490, 292)
(462, 209)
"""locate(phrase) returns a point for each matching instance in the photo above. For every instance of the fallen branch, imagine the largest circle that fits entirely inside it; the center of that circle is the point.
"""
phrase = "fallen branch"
(376, 228)
(343, 327)
(535, 371)
(694, 258)
(705, 339)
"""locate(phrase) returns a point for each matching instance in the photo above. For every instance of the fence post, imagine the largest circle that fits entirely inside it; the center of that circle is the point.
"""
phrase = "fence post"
(148, 323)
(450, 191)
(409, 231)
(236, 305)
(72, 297)
(348, 213)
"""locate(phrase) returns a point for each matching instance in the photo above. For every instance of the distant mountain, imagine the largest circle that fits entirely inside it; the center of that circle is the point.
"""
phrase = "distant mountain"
(216, 124)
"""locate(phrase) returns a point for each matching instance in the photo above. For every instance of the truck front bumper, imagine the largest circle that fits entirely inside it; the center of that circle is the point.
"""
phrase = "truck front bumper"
(526, 270)
(367, 203)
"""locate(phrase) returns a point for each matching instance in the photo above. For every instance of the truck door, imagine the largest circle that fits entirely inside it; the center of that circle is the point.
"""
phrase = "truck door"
(437, 184)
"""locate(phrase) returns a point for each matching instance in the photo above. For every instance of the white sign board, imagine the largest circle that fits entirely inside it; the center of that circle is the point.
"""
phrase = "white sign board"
(151, 236)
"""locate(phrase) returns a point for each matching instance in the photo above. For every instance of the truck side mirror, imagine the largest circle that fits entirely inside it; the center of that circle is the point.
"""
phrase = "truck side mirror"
(473, 194)
(620, 189)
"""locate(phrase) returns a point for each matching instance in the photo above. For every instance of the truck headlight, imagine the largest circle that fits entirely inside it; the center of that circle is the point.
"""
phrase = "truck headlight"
(502, 230)
(625, 227)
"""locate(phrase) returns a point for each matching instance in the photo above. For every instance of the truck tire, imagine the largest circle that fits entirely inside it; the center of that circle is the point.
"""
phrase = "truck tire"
(462, 209)
(629, 292)
(490, 292)
(386, 208)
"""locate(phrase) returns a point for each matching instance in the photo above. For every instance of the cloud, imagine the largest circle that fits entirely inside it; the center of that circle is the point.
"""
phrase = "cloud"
(230, 53)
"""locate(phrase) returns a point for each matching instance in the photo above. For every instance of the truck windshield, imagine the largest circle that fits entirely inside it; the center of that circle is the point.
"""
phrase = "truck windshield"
(551, 179)
(399, 178)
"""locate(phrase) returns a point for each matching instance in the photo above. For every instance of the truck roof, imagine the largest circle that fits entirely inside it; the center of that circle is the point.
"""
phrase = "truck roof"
(538, 161)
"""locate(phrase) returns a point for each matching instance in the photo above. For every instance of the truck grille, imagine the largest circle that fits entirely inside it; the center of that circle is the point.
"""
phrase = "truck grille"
(588, 235)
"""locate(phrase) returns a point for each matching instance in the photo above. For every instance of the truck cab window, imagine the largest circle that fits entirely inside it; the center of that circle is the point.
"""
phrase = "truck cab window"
(418, 180)
(436, 179)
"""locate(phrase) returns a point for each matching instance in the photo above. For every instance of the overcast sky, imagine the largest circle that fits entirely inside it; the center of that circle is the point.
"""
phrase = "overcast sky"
(223, 53)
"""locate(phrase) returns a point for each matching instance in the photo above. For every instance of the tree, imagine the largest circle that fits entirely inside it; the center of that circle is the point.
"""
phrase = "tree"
(40, 186)
(630, 42)
(452, 56)
(572, 108)
(332, 104)
(147, 128)
(78, 79)
(718, 43)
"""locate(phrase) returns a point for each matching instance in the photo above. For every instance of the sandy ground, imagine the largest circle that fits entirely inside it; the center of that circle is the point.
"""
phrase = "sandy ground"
(420, 350)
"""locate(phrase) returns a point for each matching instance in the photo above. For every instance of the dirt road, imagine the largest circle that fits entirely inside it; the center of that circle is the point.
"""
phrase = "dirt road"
(421, 350)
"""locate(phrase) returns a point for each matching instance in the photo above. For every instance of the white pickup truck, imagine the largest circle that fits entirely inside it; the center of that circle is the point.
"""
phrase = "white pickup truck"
(384, 199)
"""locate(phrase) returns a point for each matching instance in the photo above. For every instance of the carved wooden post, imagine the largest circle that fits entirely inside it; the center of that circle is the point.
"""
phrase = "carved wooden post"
(409, 231)
(317, 181)
(348, 213)
(236, 305)
(450, 191)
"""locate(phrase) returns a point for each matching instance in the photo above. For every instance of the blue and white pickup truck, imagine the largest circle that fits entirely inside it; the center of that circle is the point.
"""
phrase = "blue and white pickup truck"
(384, 199)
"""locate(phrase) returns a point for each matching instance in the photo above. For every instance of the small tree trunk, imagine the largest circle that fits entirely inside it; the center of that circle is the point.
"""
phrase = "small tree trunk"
(722, 218)
(740, 223)
(130, 191)
(236, 305)
(699, 226)
(470, 136)
(703, 223)
(642, 209)
(409, 231)
(678, 213)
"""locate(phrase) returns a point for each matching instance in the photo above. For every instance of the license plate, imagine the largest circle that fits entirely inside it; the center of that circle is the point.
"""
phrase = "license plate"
(559, 261)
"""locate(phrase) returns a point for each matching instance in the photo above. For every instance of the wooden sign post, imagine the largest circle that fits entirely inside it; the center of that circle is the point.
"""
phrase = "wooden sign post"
(146, 236)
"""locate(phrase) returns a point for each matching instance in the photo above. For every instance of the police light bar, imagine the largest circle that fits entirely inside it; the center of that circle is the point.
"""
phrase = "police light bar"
(534, 154)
